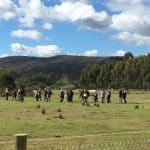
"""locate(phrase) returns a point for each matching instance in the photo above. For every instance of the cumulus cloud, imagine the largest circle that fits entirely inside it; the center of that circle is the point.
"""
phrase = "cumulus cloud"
(75, 12)
(119, 53)
(123, 5)
(132, 20)
(29, 11)
(99, 21)
(8, 9)
(27, 22)
(39, 51)
(47, 26)
(67, 10)
(91, 53)
(29, 34)
(133, 38)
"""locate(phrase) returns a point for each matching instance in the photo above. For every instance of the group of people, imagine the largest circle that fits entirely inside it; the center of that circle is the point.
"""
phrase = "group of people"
(105, 95)
(84, 94)
(47, 94)
(17, 94)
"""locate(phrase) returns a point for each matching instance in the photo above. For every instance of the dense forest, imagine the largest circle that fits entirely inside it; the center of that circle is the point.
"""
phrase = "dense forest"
(131, 73)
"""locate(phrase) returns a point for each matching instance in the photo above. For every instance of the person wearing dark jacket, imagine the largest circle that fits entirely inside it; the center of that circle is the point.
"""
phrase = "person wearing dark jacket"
(70, 95)
(124, 94)
(62, 94)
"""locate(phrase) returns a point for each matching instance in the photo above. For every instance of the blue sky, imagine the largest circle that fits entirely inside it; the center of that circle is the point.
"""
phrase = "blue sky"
(45, 28)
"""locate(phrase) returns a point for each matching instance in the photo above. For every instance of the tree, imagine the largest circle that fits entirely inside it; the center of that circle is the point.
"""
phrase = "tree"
(6, 80)
(131, 72)
(127, 56)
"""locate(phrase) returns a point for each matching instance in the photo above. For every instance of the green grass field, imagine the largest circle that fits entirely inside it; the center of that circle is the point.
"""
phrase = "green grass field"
(73, 120)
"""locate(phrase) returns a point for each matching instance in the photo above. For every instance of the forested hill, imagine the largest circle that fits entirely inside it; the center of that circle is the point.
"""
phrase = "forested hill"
(64, 64)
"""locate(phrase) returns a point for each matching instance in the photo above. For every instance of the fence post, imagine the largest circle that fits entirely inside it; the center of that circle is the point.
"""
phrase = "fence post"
(21, 142)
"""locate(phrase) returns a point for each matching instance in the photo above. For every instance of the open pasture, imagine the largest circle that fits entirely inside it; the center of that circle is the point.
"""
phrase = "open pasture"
(68, 124)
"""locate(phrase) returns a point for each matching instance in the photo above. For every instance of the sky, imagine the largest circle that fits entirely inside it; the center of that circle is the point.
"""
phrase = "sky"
(45, 28)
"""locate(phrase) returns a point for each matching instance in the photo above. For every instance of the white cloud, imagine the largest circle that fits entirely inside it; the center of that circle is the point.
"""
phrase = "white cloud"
(27, 22)
(29, 10)
(124, 5)
(3, 55)
(131, 20)
(8, 9)
(68, 10)
(119, 53)
(133, 38)
(47, 26)
(84, 1)
(39, 51)
(91, 53)
(75, 12)
(29, 34)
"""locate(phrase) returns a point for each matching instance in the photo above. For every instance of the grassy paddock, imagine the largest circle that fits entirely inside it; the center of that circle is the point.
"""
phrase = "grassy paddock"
(74, 119)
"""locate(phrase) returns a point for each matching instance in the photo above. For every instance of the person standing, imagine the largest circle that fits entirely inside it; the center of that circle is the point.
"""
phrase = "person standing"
(120, 96)
(45, 95)
(85, 96)
(124, 94)
(40, 93)
(108, 96)
(6, 93)
(103, 96)
(62, 94)
(49, 93)
(36, 92)
(20, 95)
(95, 97)
(70, 95)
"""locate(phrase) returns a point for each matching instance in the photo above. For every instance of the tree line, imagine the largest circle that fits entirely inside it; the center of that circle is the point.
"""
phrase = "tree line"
(131, 73)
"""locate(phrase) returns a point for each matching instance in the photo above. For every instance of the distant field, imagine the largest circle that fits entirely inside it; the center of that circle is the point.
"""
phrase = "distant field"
(74, 120)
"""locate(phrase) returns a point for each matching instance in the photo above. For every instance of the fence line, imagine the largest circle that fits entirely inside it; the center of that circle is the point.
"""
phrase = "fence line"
(134, 141)
(93, 135)
(120, 145)
(82, 136)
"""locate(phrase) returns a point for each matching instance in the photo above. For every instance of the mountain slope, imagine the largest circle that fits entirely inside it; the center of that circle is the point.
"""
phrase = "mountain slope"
(70, 65)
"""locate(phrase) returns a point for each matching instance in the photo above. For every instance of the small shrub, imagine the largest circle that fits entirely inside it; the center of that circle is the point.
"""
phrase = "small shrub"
(97, 105)
(57, 136)
(43, 111)
(59, 110)
(87, 104)
(61, 116)
(38, 106)
(136, 106)
(83, 103)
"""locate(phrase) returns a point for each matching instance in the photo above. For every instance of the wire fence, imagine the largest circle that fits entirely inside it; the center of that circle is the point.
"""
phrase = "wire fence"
(81, 144)
(130, 145)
